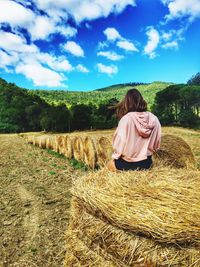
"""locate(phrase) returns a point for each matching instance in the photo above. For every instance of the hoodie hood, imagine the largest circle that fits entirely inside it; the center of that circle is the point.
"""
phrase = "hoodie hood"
(144, 122)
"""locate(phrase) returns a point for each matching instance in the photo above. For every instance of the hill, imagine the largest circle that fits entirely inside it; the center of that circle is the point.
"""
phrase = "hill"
(99, 96)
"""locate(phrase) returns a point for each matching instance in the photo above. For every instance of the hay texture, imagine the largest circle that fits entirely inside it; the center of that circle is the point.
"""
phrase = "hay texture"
(141, 218)
(174, 151)
(79, 255)
(42, 141)
(68, 147)
(103, 147)
(162, 204)
(125, 248)
(89, 152)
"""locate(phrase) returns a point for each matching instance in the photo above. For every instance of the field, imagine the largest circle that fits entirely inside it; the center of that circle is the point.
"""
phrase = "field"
(35, 197)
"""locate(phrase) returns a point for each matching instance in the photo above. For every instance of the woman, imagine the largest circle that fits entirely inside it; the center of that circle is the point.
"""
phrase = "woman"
(137, 136)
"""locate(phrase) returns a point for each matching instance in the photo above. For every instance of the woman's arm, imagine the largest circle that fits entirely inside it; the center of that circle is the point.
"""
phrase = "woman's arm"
(119, 138)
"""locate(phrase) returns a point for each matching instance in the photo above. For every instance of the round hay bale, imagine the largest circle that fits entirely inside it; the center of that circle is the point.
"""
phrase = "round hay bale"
(37, 140)
(50, 142)
(174, 151)
(77, 148)
(104, 150)
(90, 157)
(126, 248)
(42, 141)
(57, 143)
(162, 204)
(68, 147)
(30, 139)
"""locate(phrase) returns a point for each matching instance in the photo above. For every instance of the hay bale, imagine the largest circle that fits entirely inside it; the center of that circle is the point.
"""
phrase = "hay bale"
(37, 140)
(57, 143)
(162, 204)
(103, 147)
(77, 146)
(68, 151)
(42, 141)
(30, 139)
(51, 142)
(89, 152)
(79, 255)
(126, 248)
(174, 151)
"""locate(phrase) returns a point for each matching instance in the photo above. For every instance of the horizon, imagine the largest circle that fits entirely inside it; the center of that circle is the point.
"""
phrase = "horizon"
(91, 45)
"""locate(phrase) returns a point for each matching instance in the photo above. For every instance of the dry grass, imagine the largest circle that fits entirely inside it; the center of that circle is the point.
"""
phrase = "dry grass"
(124, 247)
(161, 203)
(79, 255)
(142, 218)
(174, 151)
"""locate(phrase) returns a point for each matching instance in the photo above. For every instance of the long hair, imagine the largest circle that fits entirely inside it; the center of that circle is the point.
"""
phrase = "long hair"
(133, 101)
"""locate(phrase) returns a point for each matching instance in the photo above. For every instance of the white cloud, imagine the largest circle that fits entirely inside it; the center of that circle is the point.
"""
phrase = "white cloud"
(183, 8)
(110, 70)
(110, 55)
(56, 63)
(112, 34)
(166, 36)
(13, 42)
(15, 14)
(81, 68)
(41, 28)
(172, 45)
(66, 31)
(84, 10)
(74, 49)
(153, 41)
(127, 45)
(40, 75)
(8, 60)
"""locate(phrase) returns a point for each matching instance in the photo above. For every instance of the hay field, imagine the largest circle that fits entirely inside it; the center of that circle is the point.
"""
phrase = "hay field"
(35, 196)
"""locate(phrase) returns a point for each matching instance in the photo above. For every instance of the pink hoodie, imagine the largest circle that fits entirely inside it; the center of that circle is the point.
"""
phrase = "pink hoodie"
(137, 136)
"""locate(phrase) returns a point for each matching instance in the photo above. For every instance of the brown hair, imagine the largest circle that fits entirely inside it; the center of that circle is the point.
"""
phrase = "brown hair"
(133, 101)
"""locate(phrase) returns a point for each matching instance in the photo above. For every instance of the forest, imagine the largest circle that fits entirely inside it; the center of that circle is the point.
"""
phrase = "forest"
(23, 110)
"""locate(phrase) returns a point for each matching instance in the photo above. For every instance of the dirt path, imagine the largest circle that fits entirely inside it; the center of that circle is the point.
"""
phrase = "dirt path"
(34, 204)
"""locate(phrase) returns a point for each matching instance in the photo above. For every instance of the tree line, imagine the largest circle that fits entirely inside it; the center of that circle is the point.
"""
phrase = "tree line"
(22, 110)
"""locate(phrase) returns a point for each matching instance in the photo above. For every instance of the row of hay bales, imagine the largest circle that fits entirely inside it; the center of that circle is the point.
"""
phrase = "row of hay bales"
(96, 149)
(92, 150)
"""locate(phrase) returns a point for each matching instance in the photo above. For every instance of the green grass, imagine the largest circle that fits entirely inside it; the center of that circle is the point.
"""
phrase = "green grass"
(77, 164)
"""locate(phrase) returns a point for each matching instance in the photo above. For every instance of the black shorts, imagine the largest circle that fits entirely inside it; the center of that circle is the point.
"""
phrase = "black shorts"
(124, 165)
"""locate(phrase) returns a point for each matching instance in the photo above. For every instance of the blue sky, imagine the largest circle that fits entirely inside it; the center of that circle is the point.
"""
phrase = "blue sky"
(89, 44)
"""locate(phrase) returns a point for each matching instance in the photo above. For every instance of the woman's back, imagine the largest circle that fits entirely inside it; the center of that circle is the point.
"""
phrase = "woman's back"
(137, 136)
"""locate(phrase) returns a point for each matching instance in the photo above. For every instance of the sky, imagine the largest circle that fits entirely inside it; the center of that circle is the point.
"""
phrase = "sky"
(81, 45)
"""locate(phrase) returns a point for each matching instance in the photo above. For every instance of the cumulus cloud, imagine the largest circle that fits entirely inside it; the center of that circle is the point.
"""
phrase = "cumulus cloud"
(41, 76)
(8, 60)
(14, 42)
(127, 45)
(172, 38)
(183, 8)
(84, 10)
(153, 41)
(56, 63)
(110, 70)
(110, 55)
(15, 14)
(74, 48)
(41, 28)
(172, 45)
(112, 34)
(82, 68)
